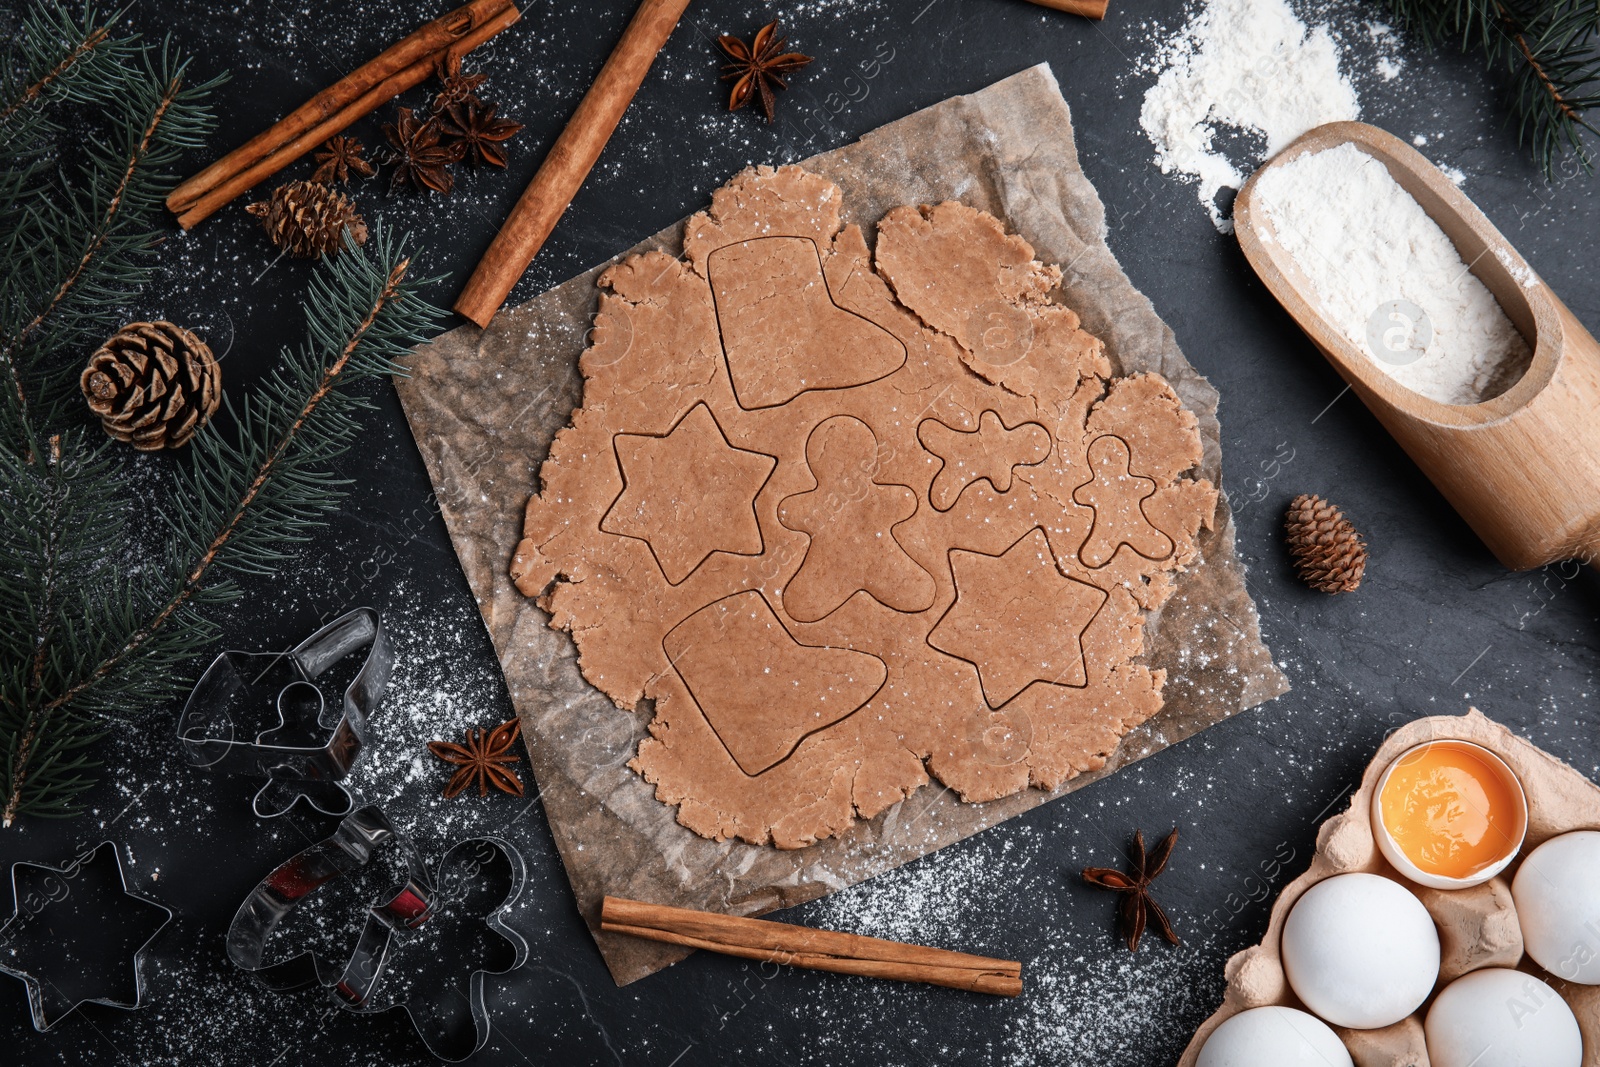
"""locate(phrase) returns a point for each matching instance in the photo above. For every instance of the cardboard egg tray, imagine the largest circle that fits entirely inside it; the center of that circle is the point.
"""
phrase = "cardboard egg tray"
(1478, 927)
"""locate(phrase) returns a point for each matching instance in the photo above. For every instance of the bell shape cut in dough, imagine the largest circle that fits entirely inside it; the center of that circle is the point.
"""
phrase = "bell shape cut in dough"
(761, 690)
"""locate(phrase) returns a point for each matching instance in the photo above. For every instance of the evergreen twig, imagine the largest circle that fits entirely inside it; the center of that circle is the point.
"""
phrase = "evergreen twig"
(76, 230)
(1550, 48)
(94, 630)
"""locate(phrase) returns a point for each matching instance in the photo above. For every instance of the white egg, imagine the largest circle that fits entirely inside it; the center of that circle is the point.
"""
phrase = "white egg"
(1273, 1037)
(1498, 1017)
(1360, 951)
(1557, 893)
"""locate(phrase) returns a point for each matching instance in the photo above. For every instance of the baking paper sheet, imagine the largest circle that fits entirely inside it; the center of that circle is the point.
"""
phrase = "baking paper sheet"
(485, 404)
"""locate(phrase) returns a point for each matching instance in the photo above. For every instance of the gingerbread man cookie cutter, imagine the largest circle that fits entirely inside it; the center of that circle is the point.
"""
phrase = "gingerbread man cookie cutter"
(394, 963)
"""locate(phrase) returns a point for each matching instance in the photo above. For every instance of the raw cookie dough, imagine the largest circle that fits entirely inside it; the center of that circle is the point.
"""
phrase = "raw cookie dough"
(851, 518)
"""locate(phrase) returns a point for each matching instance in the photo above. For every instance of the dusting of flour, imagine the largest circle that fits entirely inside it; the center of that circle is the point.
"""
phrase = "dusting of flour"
(1251, 65)
(1364, 242)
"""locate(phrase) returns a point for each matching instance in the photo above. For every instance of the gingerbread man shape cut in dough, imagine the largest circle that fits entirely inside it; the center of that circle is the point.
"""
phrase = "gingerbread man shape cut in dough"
(1117, 496)
(688, 493)
(988, 454)
(850, 519)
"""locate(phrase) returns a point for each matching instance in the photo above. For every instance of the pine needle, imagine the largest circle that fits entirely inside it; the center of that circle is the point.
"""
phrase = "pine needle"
(93, 637)
(1549, 48)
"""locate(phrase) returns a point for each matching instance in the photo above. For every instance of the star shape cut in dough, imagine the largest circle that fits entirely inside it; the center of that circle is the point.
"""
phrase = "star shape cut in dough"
(688, 494)
(1017, 619)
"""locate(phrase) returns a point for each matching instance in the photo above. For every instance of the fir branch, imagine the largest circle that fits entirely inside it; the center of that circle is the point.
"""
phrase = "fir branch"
(242, 503)
(78, 52)
(278, 457)
(60, 521)
(80, 248)
(57, 57)
(97, 242)
(1550, 49)
(50, 519)
(52, 58)
(95, 629)
(1556, 76)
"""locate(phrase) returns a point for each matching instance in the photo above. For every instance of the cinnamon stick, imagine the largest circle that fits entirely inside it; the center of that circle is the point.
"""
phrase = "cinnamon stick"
(398, 68)
(572, 156)
(1089, 9)
(802, 946)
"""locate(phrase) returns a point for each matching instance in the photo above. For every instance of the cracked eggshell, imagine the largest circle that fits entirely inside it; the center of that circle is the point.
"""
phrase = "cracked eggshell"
(1498, 1017)
(1273, 1037)
(1560, 800)
(1557, 893)
(1361, 951)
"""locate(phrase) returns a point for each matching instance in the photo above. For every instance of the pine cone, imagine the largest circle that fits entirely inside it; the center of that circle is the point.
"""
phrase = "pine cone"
(308, 219)
(153, 384)
(1328, 554)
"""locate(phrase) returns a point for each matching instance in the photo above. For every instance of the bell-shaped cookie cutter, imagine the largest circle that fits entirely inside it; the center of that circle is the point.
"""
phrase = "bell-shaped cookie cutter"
(311, 742)
(61, 982)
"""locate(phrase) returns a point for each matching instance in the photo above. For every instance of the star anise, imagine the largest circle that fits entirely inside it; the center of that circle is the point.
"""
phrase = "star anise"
(337, 157)
(419, 159)
(476, 129)
(758, 67)
(1137, 905)
(481, 760)
(455, 87)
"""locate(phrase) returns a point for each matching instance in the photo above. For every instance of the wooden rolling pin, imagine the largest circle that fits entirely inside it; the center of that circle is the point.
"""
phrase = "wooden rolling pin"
(572, 156)
(802, 946)
(1523, 468)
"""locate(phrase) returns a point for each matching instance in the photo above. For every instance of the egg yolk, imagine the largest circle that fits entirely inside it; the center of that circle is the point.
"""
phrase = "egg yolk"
(1452, 811)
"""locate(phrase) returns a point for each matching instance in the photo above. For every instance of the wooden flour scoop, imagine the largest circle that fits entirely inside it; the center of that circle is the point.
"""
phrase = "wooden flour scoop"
(1523, 468)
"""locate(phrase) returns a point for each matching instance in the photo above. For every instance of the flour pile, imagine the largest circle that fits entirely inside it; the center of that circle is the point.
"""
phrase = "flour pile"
(1251, 65)
(1365, 243)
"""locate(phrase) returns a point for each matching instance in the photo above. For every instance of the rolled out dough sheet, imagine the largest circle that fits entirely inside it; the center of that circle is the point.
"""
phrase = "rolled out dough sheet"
(849, 519)
(485, 405)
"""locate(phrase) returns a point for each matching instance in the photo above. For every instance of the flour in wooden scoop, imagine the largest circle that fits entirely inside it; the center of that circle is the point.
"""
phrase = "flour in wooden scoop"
(1388, 278)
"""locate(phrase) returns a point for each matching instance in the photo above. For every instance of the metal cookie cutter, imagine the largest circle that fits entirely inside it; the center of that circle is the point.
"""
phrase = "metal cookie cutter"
(310, 747)
(357, 841)
(420, 944)
(72, 932)
(437, 974)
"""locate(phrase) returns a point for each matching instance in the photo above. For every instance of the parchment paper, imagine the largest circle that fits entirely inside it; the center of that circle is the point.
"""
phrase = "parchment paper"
(485, 404)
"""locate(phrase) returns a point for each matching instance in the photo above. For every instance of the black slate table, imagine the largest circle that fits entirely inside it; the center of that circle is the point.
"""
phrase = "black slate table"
(1438, 625)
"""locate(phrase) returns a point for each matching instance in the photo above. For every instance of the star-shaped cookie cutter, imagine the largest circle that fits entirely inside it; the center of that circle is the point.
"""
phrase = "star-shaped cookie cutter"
(312, 746)
(392, 965)
(62, 979)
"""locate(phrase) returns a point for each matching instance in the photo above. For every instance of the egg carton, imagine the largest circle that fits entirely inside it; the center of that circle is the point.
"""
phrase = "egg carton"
(1478, 927)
